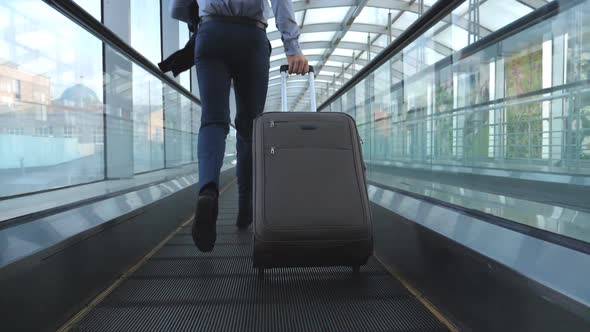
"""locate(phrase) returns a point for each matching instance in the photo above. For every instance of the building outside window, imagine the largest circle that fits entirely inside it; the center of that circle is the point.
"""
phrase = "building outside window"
(70, 131)
(98, 135)
(16, 89)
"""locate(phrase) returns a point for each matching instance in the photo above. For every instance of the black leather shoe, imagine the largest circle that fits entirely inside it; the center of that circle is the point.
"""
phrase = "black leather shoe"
(244, 220)
(204, 227)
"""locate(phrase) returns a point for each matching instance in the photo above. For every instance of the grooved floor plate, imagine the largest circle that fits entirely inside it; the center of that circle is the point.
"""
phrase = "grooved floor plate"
(182, 289)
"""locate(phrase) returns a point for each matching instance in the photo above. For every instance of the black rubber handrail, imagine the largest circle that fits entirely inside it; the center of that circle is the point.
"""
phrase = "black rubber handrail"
(74, 12)
(432, 16)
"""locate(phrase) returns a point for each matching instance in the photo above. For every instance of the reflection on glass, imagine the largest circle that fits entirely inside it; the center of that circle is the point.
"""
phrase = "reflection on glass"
(148, 122)
(145, 29)
(178, 128)
(51, 127)
(55, 98)
(184, 35)
(229, 159)
(502, 127)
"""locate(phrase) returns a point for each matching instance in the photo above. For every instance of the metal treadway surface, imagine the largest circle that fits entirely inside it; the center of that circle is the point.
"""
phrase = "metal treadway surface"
(182, 289)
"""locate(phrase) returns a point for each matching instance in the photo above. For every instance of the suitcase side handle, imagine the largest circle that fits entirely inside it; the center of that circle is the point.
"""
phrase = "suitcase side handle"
(311, 79)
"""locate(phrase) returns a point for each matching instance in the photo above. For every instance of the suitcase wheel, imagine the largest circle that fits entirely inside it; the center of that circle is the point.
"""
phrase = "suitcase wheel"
(356, 268)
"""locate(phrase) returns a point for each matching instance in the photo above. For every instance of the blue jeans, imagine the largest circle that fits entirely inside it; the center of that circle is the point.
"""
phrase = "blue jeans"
(224, 52)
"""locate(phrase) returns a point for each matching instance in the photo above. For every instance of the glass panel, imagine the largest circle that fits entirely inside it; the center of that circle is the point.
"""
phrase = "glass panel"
(496, 14)
(54, 100)
(282, 56)
(195, 124)
(314, 51)
(343, 52)
(276, 43)
(502, 128)
(381, 41)
(453, 37)
(431, 56)
(339, 63)
(462, 9)
(316, 36)
(183, 37)
(404, 21)
(377, 16)
(329, 72)
(91, 6)
(272, 25)
(148, 122)
(178, 128)
(326, 15)
(299, 17)
(334, 63)
(229, 159)
(51, 100)
(356, 37)
(145, 29)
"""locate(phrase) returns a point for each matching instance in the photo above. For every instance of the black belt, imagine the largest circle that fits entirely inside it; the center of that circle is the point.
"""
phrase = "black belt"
(234, 19)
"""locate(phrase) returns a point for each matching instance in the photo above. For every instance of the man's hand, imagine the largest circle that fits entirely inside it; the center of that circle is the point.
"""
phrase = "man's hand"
(298, 64)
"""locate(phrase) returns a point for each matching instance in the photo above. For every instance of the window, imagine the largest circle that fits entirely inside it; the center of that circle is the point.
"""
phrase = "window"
(69, 131)
(5, 85)
(53, 61)
(98, 135)
(183, 37)
(145, 29)
(55, 98)
(43, 131)
(511, 112)
(148, 121)
(91, 6)
(14, 131)
(16, 89)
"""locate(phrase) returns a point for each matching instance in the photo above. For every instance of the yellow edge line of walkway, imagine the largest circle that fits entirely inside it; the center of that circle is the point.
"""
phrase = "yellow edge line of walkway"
(419, 296)
(84, 311)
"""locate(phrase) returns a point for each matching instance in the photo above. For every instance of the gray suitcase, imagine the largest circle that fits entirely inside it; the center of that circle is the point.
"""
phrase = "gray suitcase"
(311, 206)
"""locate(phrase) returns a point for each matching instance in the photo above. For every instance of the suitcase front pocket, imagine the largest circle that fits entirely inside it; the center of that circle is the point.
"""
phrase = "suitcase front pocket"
(303, 134)
(311, 188)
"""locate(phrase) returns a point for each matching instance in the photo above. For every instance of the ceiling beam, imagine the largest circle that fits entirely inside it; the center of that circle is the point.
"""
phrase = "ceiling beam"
(386, 4)
(329, 27)
(326, 44)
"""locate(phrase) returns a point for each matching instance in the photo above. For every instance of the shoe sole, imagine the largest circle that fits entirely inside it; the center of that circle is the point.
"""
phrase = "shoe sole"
(204, 227)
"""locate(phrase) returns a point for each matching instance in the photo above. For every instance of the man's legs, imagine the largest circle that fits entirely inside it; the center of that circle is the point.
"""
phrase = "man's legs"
(251, 85)
(214, 83)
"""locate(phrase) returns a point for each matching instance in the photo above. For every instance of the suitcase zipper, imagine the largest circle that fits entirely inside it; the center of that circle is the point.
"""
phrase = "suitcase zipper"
(274, 123)
(272, 150)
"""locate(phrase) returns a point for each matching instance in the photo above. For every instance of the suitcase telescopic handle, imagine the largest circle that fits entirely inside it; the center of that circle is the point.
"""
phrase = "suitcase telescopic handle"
(311, 77)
